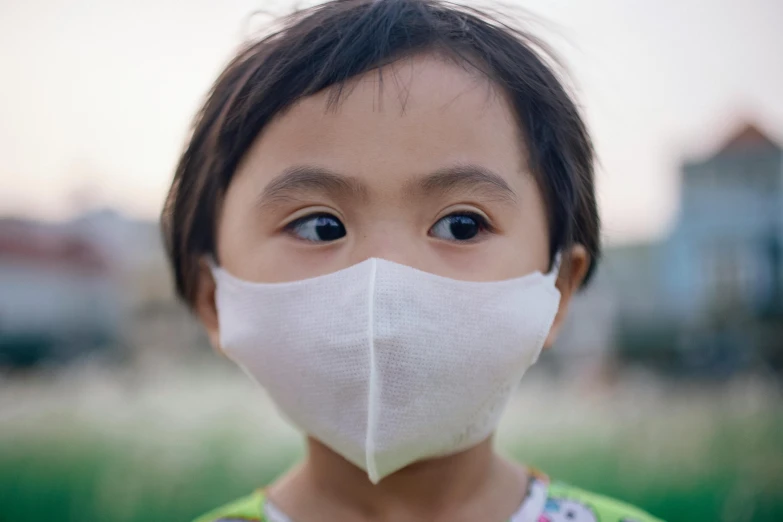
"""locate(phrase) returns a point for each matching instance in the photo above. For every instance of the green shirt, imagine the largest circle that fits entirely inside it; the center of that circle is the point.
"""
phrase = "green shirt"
(545, 502)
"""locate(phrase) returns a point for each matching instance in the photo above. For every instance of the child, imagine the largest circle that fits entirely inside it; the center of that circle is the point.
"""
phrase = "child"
(382, 214)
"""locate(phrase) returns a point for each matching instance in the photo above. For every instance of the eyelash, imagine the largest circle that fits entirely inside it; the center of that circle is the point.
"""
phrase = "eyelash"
(298, 221)
(484, 224)
(291, 227)
(482, 220)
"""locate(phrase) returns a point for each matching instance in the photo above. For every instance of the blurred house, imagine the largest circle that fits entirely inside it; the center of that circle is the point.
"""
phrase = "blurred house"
(711, 294)
(99, 282)
(727, 244)
(57, 297)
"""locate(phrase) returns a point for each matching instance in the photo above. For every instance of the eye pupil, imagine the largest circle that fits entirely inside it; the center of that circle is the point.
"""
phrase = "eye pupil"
(460, 227)
(317, 228)
(463, 227)
(328, 228)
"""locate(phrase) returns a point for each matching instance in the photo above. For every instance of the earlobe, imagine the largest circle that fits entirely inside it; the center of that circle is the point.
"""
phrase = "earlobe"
(575, 264)
(205, 305)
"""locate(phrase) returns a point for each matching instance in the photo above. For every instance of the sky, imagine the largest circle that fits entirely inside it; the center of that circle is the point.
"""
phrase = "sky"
(96, 96)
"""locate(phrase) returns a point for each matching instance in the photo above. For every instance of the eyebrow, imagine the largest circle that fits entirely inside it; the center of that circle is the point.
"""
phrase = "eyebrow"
(463, 177)
(312, 178)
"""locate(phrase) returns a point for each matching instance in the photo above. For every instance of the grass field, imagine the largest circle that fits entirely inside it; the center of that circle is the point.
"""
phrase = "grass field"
(100, 446)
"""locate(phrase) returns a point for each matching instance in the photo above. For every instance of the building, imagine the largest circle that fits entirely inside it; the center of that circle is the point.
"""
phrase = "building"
(711, 293)
(97, 283)
(727, 244)
(57, 294)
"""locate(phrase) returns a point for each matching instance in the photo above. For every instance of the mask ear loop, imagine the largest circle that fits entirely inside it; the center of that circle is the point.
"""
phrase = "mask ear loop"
(212, 264)
(554, 272)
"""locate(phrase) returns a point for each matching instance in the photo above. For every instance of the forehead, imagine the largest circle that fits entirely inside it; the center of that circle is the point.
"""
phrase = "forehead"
(410, 118)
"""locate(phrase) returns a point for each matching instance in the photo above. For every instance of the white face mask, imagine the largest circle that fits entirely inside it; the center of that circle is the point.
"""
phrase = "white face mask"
(383, 363)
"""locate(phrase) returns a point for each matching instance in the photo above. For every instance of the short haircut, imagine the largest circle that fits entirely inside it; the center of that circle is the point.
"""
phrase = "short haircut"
(326, 46)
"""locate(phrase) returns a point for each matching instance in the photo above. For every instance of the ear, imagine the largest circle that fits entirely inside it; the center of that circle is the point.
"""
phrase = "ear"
(205, 306)
(575, 264)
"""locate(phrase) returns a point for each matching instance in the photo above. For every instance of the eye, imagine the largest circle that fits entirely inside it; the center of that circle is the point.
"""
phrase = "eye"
(317, 228)
(461, 226)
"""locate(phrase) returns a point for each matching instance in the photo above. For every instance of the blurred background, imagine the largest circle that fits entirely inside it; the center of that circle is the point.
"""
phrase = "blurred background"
(665, 389)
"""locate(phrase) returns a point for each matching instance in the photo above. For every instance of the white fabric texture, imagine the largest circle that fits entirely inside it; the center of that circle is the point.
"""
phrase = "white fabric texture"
(383, 363)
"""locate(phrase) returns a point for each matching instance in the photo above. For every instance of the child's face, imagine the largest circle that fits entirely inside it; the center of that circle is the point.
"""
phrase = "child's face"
(405, 172)
(427, 171)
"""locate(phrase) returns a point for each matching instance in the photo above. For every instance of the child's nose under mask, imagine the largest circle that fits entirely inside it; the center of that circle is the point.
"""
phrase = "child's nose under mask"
(383, 363)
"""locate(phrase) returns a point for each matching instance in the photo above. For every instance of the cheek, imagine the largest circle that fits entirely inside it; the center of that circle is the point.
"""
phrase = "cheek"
(282, 259)
(499, 257)
(251, 253)
(524, 247)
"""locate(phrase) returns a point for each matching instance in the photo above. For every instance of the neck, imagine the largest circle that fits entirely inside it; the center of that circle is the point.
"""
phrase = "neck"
(426, 488)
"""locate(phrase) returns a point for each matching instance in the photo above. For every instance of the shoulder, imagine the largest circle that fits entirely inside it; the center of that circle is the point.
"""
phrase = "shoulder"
(565, 502)
(246, 509)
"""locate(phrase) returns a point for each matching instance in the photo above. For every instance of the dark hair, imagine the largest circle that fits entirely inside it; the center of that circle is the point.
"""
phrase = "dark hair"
(327, 45)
